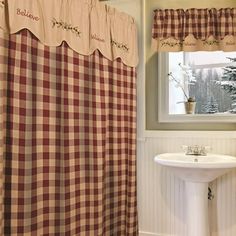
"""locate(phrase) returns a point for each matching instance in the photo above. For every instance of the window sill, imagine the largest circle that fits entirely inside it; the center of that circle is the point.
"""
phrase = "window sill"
(189, 134)
(197, 118)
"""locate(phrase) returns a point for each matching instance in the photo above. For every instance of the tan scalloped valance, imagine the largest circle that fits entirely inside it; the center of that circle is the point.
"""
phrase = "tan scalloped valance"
(86, 25)
(194, 29)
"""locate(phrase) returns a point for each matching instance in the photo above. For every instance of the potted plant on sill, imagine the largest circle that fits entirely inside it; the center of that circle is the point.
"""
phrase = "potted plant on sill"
(189, 78)
(190, 106)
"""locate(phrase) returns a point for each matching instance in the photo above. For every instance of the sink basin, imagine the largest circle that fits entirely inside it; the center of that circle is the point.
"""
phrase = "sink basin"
(197, 168)
(197, 172)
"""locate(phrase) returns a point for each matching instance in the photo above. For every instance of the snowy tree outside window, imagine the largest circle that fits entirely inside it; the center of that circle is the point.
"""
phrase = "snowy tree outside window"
(214, 88)
(228, 82)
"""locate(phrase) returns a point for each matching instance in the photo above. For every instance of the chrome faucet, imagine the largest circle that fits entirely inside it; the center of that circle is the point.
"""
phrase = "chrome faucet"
(196, 150)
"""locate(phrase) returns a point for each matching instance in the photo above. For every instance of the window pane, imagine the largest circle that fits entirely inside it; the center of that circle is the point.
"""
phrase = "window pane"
(205, 58)
(201, 75)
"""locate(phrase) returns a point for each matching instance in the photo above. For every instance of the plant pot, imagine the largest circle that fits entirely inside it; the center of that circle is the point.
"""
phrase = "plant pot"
(190, 107)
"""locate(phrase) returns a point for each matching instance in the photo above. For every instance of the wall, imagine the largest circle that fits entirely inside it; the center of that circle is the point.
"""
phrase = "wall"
(160, 194)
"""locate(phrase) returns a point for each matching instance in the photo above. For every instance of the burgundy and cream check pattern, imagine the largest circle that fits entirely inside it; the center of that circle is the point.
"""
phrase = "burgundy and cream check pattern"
(70, 141)
(201, 23)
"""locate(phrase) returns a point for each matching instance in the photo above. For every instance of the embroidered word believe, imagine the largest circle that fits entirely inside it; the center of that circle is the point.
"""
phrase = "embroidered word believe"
(27, 14)
(230, 43)
(95, 37)
(66, 26)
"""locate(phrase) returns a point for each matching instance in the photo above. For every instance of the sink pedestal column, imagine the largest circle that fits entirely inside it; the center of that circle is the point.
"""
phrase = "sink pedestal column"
(197, 209)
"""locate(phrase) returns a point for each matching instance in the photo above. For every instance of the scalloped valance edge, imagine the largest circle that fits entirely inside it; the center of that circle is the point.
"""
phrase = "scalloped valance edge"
(109, 31)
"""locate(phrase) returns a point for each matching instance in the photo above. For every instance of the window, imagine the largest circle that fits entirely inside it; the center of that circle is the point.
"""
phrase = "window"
(208, 78)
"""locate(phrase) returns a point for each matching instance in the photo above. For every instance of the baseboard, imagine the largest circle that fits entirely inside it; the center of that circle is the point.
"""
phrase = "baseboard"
(142, 233)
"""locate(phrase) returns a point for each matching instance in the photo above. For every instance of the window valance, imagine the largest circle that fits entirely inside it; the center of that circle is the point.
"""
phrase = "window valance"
(194, 30)
(86, 25)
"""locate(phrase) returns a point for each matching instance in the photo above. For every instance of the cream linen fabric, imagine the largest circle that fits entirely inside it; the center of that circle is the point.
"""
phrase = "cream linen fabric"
(86, 25)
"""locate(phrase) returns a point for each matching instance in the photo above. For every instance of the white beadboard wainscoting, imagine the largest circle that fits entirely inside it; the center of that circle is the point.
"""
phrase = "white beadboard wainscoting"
(161, 198)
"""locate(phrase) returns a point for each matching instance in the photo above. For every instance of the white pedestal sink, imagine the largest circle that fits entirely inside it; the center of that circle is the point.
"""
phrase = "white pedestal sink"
(197, 172)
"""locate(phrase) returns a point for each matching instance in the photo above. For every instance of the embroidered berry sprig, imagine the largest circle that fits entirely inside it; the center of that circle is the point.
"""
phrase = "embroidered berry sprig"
(120, 45)
(66, 26)
(211, 42)
(2, 3)
(171, 44)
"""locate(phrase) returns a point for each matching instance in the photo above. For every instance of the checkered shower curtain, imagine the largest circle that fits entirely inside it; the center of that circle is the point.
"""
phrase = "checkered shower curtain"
(68, 126)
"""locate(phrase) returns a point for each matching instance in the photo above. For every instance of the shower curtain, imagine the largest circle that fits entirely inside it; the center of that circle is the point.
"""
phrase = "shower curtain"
(68, 140)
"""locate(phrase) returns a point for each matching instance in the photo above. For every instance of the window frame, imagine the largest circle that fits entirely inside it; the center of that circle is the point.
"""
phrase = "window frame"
(163, 101)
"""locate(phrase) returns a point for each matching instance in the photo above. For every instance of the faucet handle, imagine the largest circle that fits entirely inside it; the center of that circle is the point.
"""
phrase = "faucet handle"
(196, 150)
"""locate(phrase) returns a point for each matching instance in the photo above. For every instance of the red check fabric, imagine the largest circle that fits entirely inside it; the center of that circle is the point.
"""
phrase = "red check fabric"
(201, 23)
(70, 141)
